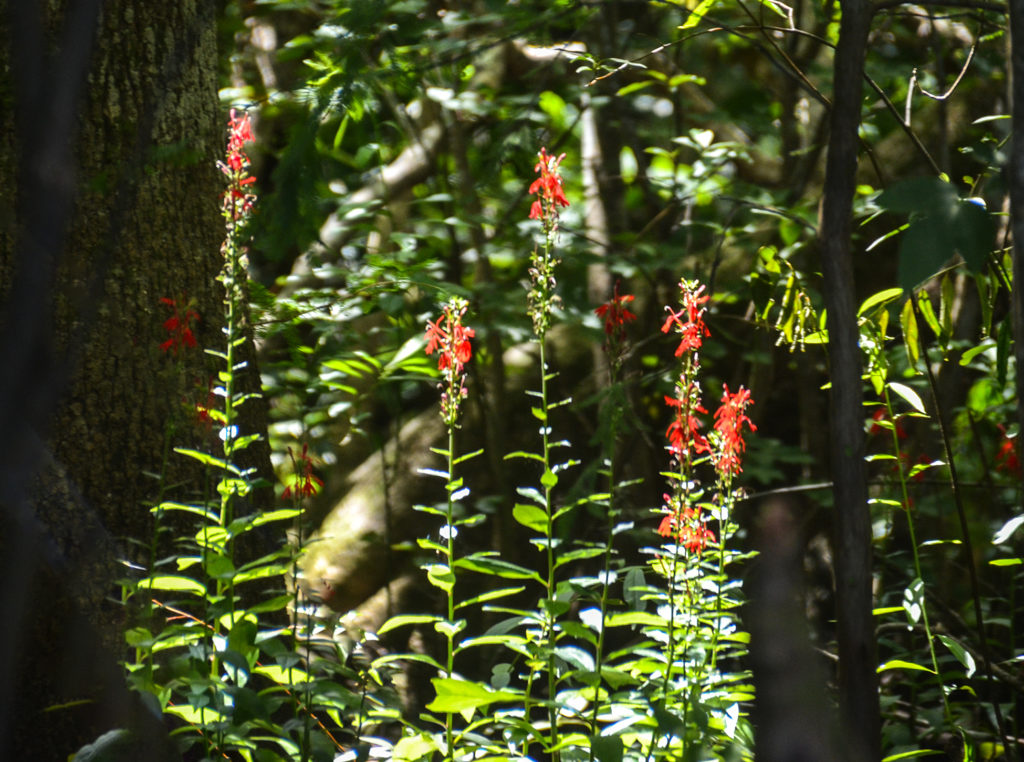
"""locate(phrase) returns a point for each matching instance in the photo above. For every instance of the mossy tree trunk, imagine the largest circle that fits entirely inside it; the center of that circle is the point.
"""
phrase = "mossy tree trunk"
(109, 201)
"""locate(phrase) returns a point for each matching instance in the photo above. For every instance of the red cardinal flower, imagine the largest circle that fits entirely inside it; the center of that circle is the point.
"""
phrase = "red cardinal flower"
(450, 339)
(237, 202)
(615, 313)
(304, 482)
(179, 326)
(685, 434)
(688, 321)
(686, 526)
(729, 420)
(1006, 457)
(547, 188)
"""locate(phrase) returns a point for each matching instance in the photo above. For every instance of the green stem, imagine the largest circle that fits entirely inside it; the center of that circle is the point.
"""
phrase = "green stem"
(606, 571)
(450, 552)
(917, 557)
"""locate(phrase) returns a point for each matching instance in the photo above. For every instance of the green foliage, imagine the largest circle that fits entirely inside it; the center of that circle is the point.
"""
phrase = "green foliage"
(400, 138)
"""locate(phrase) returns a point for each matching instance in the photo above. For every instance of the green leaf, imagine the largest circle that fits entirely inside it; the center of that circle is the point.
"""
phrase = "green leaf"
(491, 595)
(531, 517)
(962, 654)
(882, 297)
(919, 195)
(1002, 352)
(697, 14)
(412, 748)
(925, 247)
(198, 510)
(973, 352)
(405, 619)
(524, 454)
(1006, 530)
(263, 572)
(914, 753)
(973, 233)
(900, 664)
(174, 583)
(464, 697)
(606, 748)
(484, 564)
(441, 576)
(913, 600)
(924, 304)
(911, 341)
(909, 395)
(208, 460)
(549, 479)
(281, 514)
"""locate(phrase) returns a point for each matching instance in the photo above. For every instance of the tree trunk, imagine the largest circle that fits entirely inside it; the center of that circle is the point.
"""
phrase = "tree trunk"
(858, 686)
(109, 201)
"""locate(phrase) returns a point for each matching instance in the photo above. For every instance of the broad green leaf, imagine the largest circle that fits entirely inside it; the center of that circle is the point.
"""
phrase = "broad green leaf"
(549, 479)
(908, 394)
(282, 675)
(195, 716)
(173, 583)
(412, 748)
(606, 748)
(925, 247)
(464, 697)
(531, 517)
(920, 195)
(441, 576)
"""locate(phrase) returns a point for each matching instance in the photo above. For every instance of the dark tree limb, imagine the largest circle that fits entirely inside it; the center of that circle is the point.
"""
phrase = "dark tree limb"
(858, 686)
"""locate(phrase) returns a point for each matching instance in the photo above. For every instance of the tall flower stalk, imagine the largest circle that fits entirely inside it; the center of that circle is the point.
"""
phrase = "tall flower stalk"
(727, 448)
(682, 521)
(236, 207)
(549, 199)
(615, 314)
(450, 338)
(694, 609)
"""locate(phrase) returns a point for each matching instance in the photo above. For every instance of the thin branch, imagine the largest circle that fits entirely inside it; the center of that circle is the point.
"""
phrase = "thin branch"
(952, 88)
